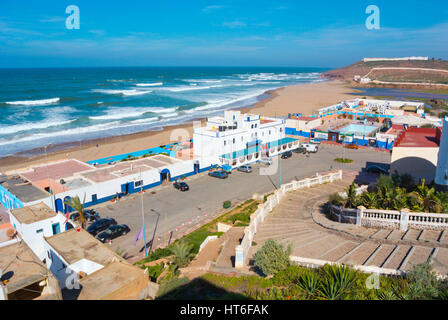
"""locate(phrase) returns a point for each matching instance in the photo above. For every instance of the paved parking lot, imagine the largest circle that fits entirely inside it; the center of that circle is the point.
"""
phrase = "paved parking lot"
(172, 208)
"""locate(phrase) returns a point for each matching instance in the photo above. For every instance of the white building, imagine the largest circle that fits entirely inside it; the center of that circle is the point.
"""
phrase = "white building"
(237, 139)
(35, 222)
(441, 179)
(396, 59)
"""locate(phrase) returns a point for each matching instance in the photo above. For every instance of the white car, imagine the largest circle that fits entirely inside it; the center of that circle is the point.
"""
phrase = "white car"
(267, 161)
(310, 147)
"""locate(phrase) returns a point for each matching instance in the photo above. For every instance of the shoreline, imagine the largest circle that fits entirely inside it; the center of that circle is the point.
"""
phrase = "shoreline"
(277, 102)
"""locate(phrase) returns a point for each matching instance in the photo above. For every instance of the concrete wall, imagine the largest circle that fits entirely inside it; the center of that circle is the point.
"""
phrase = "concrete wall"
(419, 162)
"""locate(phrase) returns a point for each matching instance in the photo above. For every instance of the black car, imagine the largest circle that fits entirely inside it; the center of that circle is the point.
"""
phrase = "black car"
(89, 215)
(113, 232)
(100, 225)
(300, 150)
(221, 174)
(377, 169)
(182, 186)
(286, 155)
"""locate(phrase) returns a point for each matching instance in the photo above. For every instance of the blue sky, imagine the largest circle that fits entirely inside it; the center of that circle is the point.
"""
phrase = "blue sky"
(217, 33)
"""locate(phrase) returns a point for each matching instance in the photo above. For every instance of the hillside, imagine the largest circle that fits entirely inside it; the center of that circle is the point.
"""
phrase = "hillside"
(394, 73)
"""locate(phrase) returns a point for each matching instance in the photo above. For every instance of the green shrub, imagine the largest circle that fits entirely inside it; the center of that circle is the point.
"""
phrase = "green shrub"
(227, 204)
(343, 160)
(272, 257)
(154, 272)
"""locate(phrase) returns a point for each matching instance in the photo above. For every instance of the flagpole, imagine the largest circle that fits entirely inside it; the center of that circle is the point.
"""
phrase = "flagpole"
(143, 215)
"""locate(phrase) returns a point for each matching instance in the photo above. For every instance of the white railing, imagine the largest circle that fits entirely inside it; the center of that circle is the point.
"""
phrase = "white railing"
(390, 218)
(242, 250)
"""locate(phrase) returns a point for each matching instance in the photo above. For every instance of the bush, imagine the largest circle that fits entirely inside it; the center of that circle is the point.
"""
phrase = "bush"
(272, 257)
(154, 272)
(227, 204)
(343, 160)
(336, 199)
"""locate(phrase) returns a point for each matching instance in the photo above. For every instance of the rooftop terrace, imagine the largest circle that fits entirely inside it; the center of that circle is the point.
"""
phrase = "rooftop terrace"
(34, 213)
(75, 245)
(418, 138)
(22, 188)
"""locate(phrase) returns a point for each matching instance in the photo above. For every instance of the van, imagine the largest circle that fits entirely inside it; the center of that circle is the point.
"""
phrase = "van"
(266, 161)
(310, 147)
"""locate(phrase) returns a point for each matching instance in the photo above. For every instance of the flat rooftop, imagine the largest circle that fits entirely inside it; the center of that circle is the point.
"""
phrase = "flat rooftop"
(34, 213)
(75, 245)
(418, 138)
(106, 282)
(56, 171)
(21, 266)
(23, 189)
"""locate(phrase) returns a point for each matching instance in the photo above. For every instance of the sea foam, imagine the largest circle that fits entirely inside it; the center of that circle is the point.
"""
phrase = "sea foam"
(41, 102)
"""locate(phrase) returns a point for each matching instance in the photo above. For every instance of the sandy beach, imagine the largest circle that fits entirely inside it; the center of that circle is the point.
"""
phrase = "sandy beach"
(304, 98)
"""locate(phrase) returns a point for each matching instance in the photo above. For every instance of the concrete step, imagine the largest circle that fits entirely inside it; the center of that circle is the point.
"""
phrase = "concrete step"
(412, 234)
(396, 234)
(440, 260)
(430, 235)
(380, 255)
(287, 236)
(381, 234)
(280, 232)
(367, 232)
(339, 251)
(361, 253)
(417, 255)
(397, 257)
(319, 248)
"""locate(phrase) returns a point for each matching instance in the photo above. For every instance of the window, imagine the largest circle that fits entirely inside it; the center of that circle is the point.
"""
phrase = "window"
(256, 125)
(138, 183)
(225, 142)
(269, 132)
(233, 140)
(40, 231)
(252, 126)
(281, 129)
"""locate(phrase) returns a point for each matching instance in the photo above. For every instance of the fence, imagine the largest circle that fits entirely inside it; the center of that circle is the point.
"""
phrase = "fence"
(390, 218)
(242, 250)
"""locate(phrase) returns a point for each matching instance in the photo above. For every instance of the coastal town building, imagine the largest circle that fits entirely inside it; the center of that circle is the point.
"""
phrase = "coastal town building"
(441, 179)
(24, 276)
(76, 255)
(236, 139)
(416, 152)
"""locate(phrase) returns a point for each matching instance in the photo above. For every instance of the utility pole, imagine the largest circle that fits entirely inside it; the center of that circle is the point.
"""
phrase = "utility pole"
(143, 214)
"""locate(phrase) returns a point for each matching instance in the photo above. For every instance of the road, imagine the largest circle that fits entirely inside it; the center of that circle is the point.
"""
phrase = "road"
(167, 208)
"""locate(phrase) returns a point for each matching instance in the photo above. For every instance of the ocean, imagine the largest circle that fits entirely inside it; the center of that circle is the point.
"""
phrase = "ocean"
(56, 106)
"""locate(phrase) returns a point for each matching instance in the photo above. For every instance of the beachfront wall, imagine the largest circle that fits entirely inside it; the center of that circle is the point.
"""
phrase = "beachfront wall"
(242, 250)
(8, 200)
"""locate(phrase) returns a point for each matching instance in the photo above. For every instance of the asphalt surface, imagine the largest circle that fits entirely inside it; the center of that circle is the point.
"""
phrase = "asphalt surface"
(167, 208)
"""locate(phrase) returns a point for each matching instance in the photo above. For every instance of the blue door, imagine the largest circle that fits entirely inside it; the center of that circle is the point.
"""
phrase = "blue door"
(94, 198)
(59, 206)
(56, 228)
(67, 198)
(196, 168)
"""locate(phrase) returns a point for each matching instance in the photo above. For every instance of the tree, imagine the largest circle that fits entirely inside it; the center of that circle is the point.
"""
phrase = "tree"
(272, 257)
(426, 198)
(182, 255)
(352, 198)
(75, 204)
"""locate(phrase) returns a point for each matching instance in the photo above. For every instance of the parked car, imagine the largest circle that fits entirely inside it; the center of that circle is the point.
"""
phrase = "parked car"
(309, 147)
(218, 174)
(182, 186)
(299, 150)
(266, 161)
(89, 215)
(352, 146)
(373, 168)
(315, 141)
(100, 225)
(286, 155)
(245, 168)
(113, 232)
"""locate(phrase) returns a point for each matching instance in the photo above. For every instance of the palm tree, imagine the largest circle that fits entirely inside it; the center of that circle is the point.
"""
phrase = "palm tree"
(76, 204)
(182, 255)
(426, 197)
(369, 200)
(352, 198)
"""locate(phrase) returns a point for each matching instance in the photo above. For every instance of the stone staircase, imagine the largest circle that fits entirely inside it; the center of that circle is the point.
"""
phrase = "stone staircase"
(292, 222)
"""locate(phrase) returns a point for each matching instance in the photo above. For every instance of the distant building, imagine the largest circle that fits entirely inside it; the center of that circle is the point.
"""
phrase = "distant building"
(396, 59)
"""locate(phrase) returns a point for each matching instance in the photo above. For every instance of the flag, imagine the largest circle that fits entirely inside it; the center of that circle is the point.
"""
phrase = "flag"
(66, 216)
(139, 236)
